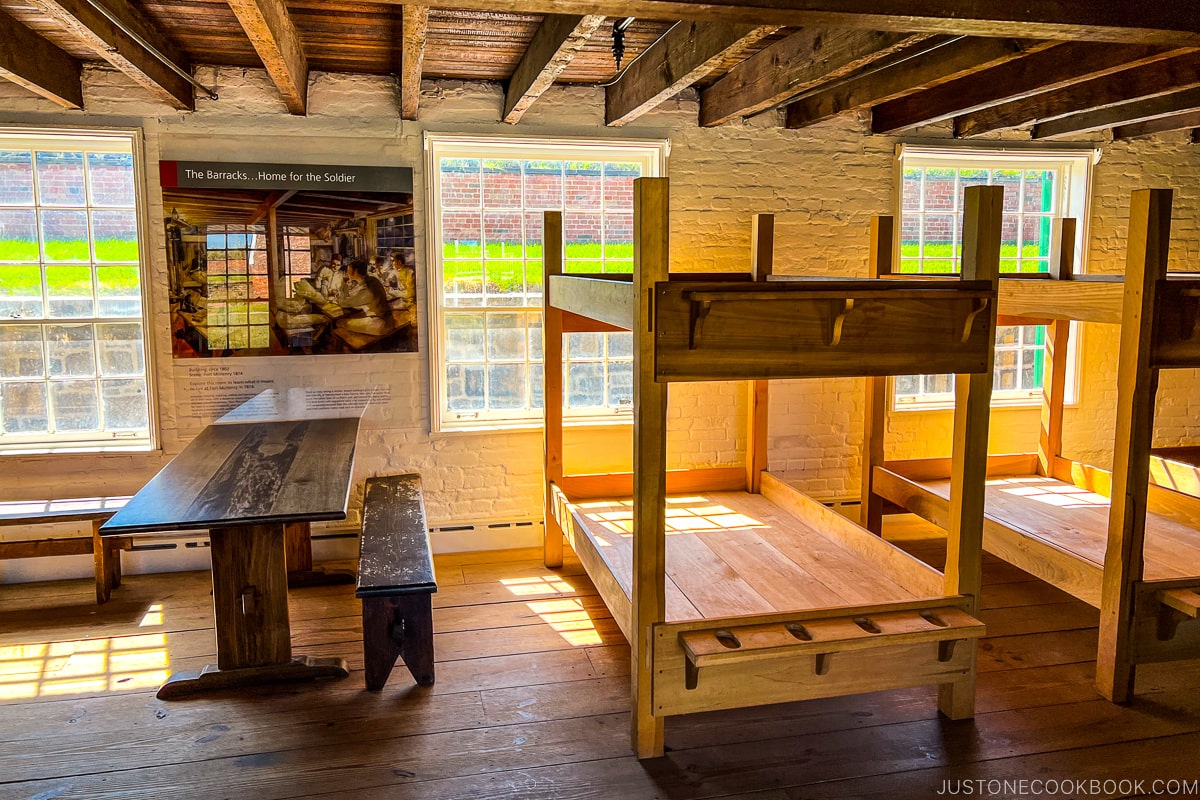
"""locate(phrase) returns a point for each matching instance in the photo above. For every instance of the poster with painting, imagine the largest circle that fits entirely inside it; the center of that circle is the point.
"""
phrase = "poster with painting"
(282, 259)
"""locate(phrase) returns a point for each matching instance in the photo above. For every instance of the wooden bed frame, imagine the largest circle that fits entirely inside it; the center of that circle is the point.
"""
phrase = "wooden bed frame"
(1115, 540)
(744, 591)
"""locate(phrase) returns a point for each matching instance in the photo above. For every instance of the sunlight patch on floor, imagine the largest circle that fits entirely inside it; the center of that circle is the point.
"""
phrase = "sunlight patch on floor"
(545, 584)
(569, 619)
(124, 663)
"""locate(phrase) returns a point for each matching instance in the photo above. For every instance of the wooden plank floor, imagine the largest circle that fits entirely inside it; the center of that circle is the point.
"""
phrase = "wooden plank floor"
(531, 701)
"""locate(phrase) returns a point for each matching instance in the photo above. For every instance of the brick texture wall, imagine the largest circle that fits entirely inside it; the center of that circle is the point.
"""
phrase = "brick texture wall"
(823, 184)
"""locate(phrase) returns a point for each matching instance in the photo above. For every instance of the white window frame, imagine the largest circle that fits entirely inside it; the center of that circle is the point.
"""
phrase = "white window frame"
(1074, 165)
(652, 154)
(93, 140)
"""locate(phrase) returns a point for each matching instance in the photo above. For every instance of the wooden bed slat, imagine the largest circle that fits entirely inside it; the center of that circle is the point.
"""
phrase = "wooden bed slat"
(1078, 299)
(1185, 601)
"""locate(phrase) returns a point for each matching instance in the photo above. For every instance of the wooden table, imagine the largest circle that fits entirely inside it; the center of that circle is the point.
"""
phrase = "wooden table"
(245, 481)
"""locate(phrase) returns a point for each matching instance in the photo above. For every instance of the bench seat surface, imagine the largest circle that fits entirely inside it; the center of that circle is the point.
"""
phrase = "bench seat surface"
(395, 556)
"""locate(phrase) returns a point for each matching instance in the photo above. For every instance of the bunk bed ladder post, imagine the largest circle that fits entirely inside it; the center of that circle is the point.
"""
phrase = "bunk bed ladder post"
(983, 209)
(1137, 384)
(875, 400)
(762, 266)
(552, 333)
(651, 226)
(1054, 382)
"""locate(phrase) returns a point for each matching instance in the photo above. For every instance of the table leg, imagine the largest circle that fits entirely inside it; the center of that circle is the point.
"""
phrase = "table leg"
(298, 543)
(254, 640)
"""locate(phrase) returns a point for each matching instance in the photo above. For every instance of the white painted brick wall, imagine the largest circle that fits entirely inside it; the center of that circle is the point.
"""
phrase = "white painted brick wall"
(823, 184)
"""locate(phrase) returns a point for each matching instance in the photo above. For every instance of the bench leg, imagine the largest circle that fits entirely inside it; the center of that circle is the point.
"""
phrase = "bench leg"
(106, 553)
(399, 626)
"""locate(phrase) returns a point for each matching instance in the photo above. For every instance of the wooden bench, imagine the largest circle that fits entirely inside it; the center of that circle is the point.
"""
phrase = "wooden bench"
(395, 580)
(106, 551)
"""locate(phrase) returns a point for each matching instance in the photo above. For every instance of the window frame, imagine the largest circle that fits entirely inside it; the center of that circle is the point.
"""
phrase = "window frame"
(653, 154)
(1075, 165)
(60, 443)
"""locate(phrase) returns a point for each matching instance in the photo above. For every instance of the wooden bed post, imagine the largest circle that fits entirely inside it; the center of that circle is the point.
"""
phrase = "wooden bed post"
(651, 259)
(983, 209)
(1054, 383)
(552, 393)
(875, 400)
(1137, 385)
(762, 265)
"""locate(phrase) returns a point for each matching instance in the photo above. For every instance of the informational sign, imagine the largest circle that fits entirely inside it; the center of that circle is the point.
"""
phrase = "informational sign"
(221, 175)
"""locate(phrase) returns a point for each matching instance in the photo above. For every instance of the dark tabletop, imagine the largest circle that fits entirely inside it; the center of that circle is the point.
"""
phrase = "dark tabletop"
(248, 473)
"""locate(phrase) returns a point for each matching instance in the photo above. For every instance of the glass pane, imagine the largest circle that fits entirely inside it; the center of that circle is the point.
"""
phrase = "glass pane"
(60, 179)
(969, 177)
(1010, 179)
(16, 178)
(585, 384)
(18, 235)
(506, 386)
(543, 184)
(502, 235)
(110, 177)
(119, 290)
(536, 399)
(1035, 237)
(584, 345)
(940, 190)
(907, 384)
(20, 291)
(1039, 191)
(620, 345)
(505, 283)
(618, 240)
(260, 336)
(21, 351)
(535, 335)
(460, 182)
(464, 387)
(502, 183)
(618, 184)
(911, 189)
(620, 383)
(583, 185)
(23, 408)
(115, 235)
(65, 236)
(70, 352)
(506, 337)
(464, 337)
(940, 236)
(69, 291)
(124, 404)
(76, 407)
(120, 349)
(910, 240)
(239, 338)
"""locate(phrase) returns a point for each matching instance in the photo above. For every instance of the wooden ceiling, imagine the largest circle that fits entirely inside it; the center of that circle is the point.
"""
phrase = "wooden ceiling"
(1055, 69)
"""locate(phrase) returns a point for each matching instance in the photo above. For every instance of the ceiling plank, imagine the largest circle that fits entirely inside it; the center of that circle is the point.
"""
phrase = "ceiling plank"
(1087, 20)
(943, 60)
(1175, 122)
(270, 28)
(689, 51)
(412, 58)
(31, 61)
(1143, 110)
(1118, 87)
(1052, 68)
(95, 30)
(555, 43)
(794, 65)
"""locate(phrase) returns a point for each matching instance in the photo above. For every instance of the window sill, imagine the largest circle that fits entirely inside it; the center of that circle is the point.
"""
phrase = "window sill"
(80, 449)
(617, 420)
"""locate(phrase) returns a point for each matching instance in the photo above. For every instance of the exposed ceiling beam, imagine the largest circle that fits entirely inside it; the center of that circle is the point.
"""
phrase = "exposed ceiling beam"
(94, 29)
(1144, 110)
(1175, 122)
(31, 61)
(1094, 20)
(794, 65)
(554, 46)
(1118, 87)
(273, 200)
(412, 58)
(273, 34)
(934, 62)
(689, 52)
(1052, 68)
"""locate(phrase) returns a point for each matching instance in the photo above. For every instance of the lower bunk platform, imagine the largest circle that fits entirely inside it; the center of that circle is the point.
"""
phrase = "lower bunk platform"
(773, 597)
(1057, 530)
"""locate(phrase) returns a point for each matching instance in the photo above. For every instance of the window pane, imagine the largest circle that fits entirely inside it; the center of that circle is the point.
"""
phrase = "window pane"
(502, 184)
(18, 235)
(583, 185)
(60, 179)
(911, 189)
(506, 337)
(464, 337)
(464, 387)
(69, 291)
(21, 351)
(24, 408)
(110, 177)
(16, 178)
(115, 235)
(585, 385)
(124, 404)
(70, 351)
(20, 291)
(618, 184)
(76, 407)
(543, 184)
(65, 236)
(940, 190)
(460, 183)
(1040, 191)
(120, 349)
(119, 290)
(620, 383)
(506, 386)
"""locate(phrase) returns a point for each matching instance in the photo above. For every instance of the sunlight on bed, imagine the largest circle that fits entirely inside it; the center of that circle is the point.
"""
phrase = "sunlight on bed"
(683, 515)
(125, 663)
(1175, 475)
(1059, 495)
(569, 619)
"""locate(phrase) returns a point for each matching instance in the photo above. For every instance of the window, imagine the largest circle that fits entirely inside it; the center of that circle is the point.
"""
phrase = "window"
(72, 343)
(1039, 186)
(239, 305)
(487, 197)
(297, 257)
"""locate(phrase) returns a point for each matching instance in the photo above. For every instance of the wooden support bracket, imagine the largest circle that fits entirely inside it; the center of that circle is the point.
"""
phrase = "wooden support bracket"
(839, 320)
(1178, 605)
(699, 310)
(980, 306)
(823, 637)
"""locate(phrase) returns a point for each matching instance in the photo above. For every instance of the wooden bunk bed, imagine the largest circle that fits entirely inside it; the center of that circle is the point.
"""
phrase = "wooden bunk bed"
(1136, 557)
(732, 588)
